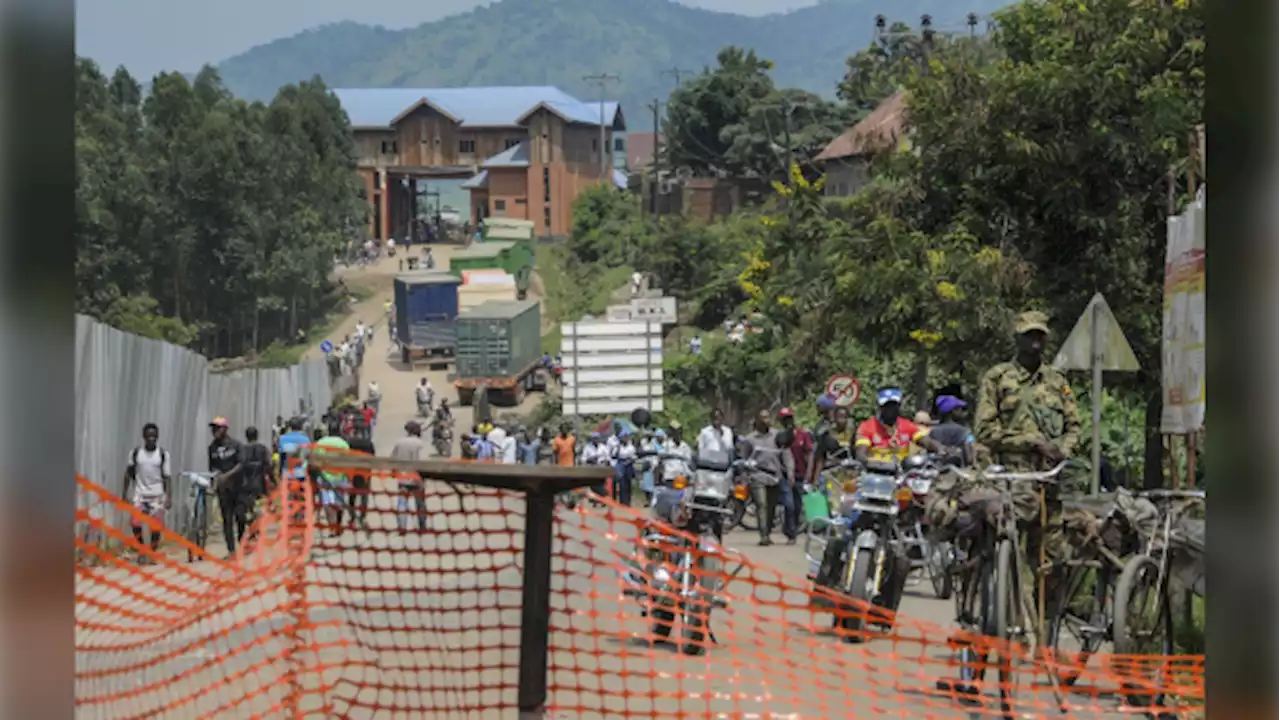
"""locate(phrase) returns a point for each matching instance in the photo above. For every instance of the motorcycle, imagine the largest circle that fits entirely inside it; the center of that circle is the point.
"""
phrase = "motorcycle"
(859, 552)
(935, 556)
(443, 439)
(679, 571)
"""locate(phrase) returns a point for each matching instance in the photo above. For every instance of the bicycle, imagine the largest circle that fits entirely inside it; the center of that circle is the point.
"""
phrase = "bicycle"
(1087, 620)
(196, 526)
(991, 599)
(1145, 578)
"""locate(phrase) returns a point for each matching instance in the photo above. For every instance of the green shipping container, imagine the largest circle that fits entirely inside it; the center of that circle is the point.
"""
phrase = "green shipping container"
(500, 338)
(517, 257)
(480, 256)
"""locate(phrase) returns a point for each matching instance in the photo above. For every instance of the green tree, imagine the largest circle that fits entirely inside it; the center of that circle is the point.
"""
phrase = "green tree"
(700, 111)
(206, 220)
(789, 125)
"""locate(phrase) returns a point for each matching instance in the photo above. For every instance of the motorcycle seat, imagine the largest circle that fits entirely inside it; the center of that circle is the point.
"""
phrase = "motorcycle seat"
(880, 467)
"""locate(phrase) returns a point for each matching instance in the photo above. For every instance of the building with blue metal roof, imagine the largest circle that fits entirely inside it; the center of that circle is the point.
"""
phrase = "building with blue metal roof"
(523, 152)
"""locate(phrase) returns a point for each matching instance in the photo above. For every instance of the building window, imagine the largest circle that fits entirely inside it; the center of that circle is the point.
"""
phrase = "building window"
(546, 219)
(619, 144)
(377, 180)
(546, 184)
(521, 201)
(467, 147)
(499, 206)
(388, 147)
(511, 142)
(595, 144)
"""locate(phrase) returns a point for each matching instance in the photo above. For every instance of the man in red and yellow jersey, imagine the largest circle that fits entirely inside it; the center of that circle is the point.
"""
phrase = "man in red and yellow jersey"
(887, 437)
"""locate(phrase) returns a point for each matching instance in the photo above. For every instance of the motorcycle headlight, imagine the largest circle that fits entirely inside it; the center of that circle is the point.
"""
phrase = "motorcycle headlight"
(740, 492)
(919, 486)
(680, 482)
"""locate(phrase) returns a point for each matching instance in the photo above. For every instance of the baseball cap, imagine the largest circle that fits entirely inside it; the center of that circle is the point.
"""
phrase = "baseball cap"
(826, 402)
(947, 403)
(1029, 321)
(922, 418)
(674, 425)
(786, 412)
(219, 421)
(888, 395)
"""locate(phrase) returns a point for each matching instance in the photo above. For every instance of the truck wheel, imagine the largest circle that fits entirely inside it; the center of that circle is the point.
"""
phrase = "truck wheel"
(466, 396)
(404, 354)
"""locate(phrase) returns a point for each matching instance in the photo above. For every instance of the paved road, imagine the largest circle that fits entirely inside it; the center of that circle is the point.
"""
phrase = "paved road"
(426, 625)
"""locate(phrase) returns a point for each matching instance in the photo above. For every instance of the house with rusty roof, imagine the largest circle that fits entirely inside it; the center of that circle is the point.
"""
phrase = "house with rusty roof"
(524, 152)
(846, 160)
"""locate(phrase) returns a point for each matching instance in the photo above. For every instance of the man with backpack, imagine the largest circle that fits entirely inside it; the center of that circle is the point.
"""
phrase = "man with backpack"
(148, 475)
(255, 477)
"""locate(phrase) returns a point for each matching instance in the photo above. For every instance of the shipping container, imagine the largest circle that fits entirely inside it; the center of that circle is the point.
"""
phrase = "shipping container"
(480, 256)
(507, 229)
(499, 347)
(426, 310)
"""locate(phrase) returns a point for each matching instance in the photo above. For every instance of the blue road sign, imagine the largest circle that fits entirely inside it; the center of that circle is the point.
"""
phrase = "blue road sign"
(326, 347)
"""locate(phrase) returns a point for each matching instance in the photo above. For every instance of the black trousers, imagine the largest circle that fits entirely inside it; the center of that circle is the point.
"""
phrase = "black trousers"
(235, 504)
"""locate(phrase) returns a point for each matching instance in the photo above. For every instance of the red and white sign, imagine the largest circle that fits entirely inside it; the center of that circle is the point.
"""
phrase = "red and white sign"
(845, 389)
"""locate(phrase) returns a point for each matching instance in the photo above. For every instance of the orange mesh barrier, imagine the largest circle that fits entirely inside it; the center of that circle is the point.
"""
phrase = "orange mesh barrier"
(343, 621)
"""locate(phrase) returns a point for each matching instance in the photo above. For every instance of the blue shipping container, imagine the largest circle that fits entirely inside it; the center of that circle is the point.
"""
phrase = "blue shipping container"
(426, 308)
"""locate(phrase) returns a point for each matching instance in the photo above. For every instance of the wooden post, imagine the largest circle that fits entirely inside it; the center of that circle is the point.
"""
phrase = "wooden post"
(535, 611)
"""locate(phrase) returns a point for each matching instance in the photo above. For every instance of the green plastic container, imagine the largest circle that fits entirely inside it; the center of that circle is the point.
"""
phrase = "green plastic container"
(815, 506)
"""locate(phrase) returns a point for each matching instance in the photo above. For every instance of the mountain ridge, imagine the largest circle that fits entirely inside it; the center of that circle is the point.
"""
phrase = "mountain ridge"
(557, 42)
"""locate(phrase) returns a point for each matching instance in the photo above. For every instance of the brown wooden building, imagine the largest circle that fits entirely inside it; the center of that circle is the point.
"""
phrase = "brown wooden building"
(525, 152)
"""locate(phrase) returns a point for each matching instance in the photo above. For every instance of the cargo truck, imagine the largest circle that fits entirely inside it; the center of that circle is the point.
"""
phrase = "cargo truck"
(499, 352)
(426, 313)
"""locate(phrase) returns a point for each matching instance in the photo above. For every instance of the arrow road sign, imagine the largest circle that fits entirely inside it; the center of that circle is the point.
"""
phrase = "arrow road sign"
(845, 389)
(326, 347)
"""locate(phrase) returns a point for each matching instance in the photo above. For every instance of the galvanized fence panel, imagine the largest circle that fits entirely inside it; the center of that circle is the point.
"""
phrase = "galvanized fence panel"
(124, 381)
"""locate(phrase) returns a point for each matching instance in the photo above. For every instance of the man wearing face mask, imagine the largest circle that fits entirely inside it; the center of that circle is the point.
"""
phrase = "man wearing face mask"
(886, 437)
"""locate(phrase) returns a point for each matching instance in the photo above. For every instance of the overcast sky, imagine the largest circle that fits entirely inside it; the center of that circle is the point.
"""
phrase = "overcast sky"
(147, 36)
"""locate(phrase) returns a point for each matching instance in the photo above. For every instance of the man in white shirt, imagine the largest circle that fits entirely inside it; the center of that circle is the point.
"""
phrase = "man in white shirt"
(360, 329)
(374, 396)
(695, 345)
(425, 396)
(636, 280)
(148, 476)
(612, 442)
(504, 446)
(716, 437)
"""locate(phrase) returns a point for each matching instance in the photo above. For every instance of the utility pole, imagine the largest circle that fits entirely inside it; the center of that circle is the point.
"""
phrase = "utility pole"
(656, 107)
(676, 72)
(603, 79)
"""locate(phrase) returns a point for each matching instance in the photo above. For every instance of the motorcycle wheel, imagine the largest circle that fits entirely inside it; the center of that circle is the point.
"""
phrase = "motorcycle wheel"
(694, 637)
(662, 622)
(747, 518)
(852, 624)
(739, 508)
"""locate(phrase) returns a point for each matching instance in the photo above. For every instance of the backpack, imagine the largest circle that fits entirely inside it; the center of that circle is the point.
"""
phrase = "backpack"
(133, 458)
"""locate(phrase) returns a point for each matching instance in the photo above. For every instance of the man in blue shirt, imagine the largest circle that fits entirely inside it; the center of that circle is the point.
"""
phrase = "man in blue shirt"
(292, 447)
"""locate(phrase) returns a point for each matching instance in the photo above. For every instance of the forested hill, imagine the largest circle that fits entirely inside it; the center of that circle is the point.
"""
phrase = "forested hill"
(556, 42)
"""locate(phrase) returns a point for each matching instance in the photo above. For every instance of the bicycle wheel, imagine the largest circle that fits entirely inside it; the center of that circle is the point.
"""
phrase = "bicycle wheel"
(938, 566)
(1007, 617)
(198, 525)
(1143, 624)
(1079, 625)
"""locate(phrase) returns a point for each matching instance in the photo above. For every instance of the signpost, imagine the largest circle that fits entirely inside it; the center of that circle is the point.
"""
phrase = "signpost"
(661, 310)
(326, 347)
(1097, 343)
(612, 367)
(845, 389)
(618, 313)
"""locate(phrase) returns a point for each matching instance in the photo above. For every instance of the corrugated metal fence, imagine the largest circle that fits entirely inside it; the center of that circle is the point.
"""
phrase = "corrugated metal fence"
(124, 381)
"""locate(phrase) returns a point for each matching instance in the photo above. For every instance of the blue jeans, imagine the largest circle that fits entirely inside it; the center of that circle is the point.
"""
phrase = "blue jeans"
(623, 473)
(790, 518)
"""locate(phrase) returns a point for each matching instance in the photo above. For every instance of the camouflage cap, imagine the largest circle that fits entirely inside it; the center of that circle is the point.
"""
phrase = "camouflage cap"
(1031, 320)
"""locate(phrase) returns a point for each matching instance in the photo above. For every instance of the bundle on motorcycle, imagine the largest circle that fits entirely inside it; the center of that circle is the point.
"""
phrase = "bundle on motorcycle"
(679, 570)
(862, 556)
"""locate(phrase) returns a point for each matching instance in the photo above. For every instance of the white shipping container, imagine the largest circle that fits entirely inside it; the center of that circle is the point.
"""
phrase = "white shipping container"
(637, 359)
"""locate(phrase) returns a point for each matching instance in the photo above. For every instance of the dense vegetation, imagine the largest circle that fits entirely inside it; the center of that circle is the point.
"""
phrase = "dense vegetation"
(205, 220)
(556, 42)
(1036, 176)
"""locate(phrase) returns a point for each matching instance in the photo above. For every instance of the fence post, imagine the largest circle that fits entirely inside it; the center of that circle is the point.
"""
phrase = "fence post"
(295, 544)
(535, 621)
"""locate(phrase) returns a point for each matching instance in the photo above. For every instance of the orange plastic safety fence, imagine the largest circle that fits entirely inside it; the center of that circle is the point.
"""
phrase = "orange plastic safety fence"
(380, 616)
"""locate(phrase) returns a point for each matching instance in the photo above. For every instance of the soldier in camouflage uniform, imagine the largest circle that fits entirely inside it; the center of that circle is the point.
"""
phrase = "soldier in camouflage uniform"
(1027, 420)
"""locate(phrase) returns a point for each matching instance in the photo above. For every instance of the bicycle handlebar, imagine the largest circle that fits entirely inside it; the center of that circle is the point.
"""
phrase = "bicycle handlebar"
(1172, 494)
(1046, 476)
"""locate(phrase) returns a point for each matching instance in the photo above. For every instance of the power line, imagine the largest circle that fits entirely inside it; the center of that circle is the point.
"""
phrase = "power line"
(602, 79)
(676, 72)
